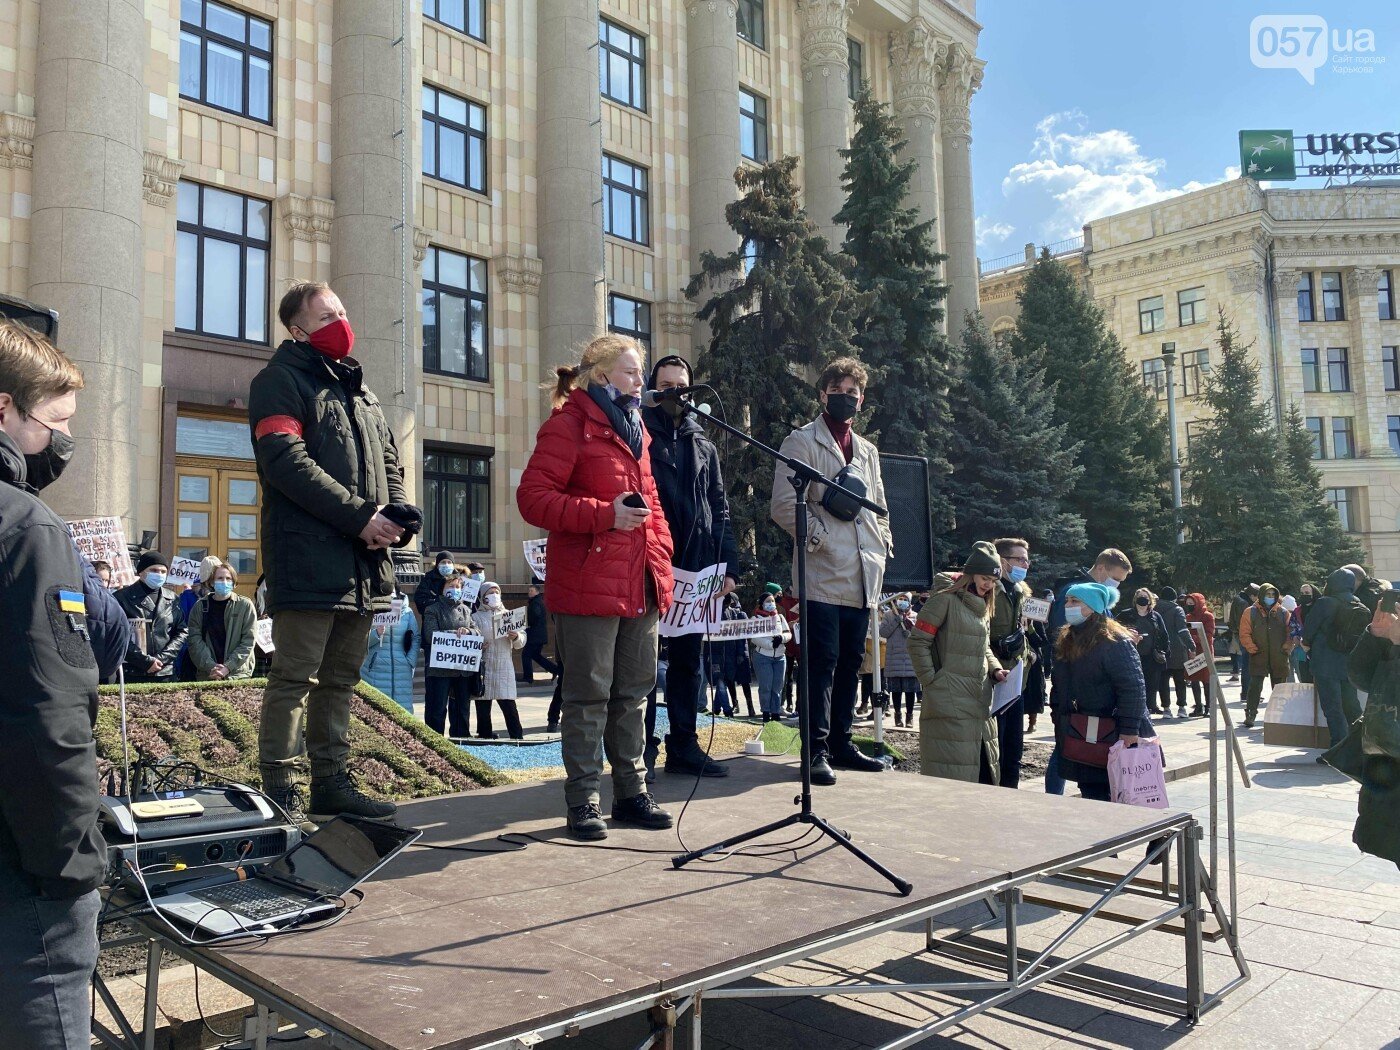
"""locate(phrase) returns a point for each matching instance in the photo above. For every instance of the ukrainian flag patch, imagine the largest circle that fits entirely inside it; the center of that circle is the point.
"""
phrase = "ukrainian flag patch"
(72, 602)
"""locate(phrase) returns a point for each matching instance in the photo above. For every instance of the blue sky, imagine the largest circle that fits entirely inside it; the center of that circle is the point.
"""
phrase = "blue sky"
(1092, 107)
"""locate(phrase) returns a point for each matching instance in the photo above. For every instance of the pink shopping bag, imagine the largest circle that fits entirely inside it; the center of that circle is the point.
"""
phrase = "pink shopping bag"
(1136, 775)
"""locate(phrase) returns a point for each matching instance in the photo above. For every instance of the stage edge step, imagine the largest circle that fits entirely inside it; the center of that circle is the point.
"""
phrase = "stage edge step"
(1128, 909)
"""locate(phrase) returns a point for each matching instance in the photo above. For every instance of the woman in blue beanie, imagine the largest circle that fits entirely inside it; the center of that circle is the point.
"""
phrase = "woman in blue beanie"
(1096, 672)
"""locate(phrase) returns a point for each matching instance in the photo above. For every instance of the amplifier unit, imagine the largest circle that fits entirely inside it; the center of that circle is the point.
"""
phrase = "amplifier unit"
(226, 847)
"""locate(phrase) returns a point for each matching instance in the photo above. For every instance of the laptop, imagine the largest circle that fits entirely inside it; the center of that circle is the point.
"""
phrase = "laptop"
(302, 885)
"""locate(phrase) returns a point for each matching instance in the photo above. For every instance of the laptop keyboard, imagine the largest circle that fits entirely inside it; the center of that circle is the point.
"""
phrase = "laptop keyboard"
(252, 900)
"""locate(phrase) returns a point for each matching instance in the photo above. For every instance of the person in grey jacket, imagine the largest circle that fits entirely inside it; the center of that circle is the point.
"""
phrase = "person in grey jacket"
(448, 690)
(1181, 646)
(899, 679)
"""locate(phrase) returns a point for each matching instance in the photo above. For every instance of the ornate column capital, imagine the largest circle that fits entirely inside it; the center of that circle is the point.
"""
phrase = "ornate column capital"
(16, 141)
(694, 7)
(824, 25)
(677, 316)
(159, 177)
(307, 218)
(1246, 279)
(1364, 280)
(960, 75)
(519, 273)
(421, 239)
(915, 54)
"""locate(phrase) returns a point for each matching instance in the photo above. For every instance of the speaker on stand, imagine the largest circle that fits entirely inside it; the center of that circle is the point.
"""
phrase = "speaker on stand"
(910, 568)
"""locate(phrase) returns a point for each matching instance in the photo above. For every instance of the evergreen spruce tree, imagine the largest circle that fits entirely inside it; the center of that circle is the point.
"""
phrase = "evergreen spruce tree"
(1331, 545)
(1243, 513)
(1013, 466)
(781, 307)
(1100, 401)
(896, 262)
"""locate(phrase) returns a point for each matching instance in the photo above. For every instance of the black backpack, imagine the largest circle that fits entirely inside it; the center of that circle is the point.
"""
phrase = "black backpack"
(1349, 623)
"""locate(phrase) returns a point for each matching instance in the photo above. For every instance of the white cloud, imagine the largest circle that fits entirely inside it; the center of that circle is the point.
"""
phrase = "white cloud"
(1089, 174)
(989, 232)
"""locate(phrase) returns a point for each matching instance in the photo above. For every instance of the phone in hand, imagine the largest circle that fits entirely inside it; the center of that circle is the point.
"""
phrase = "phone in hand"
(1389, 600)
(634, 499)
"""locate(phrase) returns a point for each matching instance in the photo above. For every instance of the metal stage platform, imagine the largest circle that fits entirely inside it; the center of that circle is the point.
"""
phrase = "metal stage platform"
(470, 950)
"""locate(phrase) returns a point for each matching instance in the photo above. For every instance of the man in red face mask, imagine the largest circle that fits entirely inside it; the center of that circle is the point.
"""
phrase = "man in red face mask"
(328, 467)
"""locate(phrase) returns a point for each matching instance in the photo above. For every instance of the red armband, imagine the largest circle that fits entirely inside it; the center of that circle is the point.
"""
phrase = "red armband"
(926, 627)
(277, 425)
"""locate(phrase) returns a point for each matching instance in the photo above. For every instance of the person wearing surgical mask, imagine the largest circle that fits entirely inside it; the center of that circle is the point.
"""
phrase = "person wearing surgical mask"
(221, 630)
(1012, 647)
(448, 690)
(497, 664)
(1265, 636)
(899, 679)
(152, 659)
(429, 588)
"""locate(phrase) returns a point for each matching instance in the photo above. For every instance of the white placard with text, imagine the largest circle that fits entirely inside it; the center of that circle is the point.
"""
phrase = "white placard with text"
(456, 652)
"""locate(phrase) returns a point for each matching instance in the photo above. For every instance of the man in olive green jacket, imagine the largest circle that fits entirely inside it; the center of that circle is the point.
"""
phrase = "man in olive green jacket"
(328, 467)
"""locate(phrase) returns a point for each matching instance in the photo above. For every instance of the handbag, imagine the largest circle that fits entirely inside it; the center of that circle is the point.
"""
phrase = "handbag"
(1136, 776)
(1088, 739)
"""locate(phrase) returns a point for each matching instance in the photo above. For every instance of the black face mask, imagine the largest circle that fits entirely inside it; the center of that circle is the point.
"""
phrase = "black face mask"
(673, 408)
(842, 407)
(41, 469)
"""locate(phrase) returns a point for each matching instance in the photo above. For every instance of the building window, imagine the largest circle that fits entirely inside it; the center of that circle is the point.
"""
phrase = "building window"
(625, 200)
(1332, 308)
(1338, 370)
(221, 249)
(1392, 426)
(622, 65)
(1152, 315)
(751, 22)
(1194, 431)
(1155, 376)
(1343, 443)
(465, 16)
(454, 315)
(1385, 297)
(456, 501)
(1340, 501)
(753, 126)
(855, 68)
(632, 317)
(1390, 366)
(1191, 306)
(454, 139)
(1195, 366)
(1305, 297)
(226, 59)
(1314, 425)
(1312, 374)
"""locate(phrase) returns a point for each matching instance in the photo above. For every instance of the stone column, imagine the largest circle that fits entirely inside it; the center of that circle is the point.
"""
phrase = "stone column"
(914, 55)
(1290, 363)
(86, 252)
(960, 76)
(370, 252)
(570, 181)
(712, 108)
(1367, 372)
(825, 111)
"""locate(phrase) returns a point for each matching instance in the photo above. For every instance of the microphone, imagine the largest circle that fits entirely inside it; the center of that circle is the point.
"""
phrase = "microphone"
(652, 398)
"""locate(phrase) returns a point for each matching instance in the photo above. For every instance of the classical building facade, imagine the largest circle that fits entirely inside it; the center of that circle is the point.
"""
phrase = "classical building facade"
(1308, 278)
(486, 183)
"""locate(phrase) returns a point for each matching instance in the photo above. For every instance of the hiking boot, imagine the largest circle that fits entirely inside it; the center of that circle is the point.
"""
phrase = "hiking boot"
(821, 770)
(338, 795)
(685, 756)
(641, 811)
(292, 803)
(852, 757)
(649, 759)
(586, 822)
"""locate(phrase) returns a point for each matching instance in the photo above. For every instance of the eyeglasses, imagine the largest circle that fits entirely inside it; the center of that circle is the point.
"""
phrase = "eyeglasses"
(1019, 561)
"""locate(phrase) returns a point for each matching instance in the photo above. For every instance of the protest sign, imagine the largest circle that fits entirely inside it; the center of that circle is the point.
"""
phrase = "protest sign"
(1196, 664)
(511, 620)
(753, 627)
(183, 571)
(262, 635)
(695, 606)
(470, 589)
(1037, 609)
(456, 652)
(102, 539)
(534, 557)
(388, 619)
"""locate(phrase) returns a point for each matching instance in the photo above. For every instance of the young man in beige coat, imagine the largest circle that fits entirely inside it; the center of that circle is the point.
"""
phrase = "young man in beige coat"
(845, 563)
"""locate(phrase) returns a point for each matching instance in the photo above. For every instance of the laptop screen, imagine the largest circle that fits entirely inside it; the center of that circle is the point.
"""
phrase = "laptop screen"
(340, 854)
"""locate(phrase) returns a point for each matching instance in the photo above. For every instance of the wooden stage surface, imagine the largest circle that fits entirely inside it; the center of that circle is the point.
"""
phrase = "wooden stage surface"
(452, 949)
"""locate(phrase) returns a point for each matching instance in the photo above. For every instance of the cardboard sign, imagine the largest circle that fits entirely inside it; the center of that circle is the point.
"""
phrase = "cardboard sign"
(695, 606)
(456, 652)
(183, 570)
(102, 539)
(262, 635)
(752, 627)
(511, 620)
(1196, 664)
(470, 589)
(534, 557)
(1037, 609)
(388, 619)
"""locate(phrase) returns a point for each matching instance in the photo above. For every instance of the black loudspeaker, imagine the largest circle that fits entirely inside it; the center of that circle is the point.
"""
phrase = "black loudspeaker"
(907, 496)
(31, 315)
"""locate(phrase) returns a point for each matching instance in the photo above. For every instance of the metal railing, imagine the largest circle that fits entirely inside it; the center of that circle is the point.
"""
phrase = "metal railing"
(1028, 255)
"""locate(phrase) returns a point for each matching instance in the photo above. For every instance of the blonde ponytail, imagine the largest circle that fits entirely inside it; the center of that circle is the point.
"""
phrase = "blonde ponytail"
(598, 356)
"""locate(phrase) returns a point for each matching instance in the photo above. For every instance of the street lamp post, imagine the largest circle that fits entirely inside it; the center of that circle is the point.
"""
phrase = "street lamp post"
(1169, 355)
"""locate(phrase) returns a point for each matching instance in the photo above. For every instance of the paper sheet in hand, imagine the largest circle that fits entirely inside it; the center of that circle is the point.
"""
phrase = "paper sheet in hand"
(1037, 609)
(388, 619)
(1004, 693)
(695, 605)
(262, 635)
(511, 620)
(459, 652)
(1196, 664)
(183, 570)
(535, 557)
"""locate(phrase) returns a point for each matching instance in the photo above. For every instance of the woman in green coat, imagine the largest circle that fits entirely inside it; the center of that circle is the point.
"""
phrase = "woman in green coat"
(220, 638)
(951, 652)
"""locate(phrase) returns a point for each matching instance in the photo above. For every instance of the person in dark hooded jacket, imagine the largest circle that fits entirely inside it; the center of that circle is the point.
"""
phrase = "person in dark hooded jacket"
(1336, 694)
(1182, 646)
(1368, 588)
(147, 599)
(686, 466)
(1374, 666)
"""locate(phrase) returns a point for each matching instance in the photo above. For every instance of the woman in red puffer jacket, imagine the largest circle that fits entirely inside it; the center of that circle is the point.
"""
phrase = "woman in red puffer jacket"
(1197, 611)
(589, 483)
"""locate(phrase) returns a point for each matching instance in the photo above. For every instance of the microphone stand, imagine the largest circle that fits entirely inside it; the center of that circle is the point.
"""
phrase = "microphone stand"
(803, 474)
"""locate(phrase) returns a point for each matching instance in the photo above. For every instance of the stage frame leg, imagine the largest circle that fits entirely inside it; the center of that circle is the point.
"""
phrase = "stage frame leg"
(1191, 891)
(155, 951)
(1010, 900)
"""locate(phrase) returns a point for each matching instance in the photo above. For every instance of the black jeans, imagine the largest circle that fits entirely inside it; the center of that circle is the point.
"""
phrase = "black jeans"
(833, 644)
(47, 957)
(1011, 739)
(1154, 675)
(684, 683)
(446, 701)
(530, 655)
